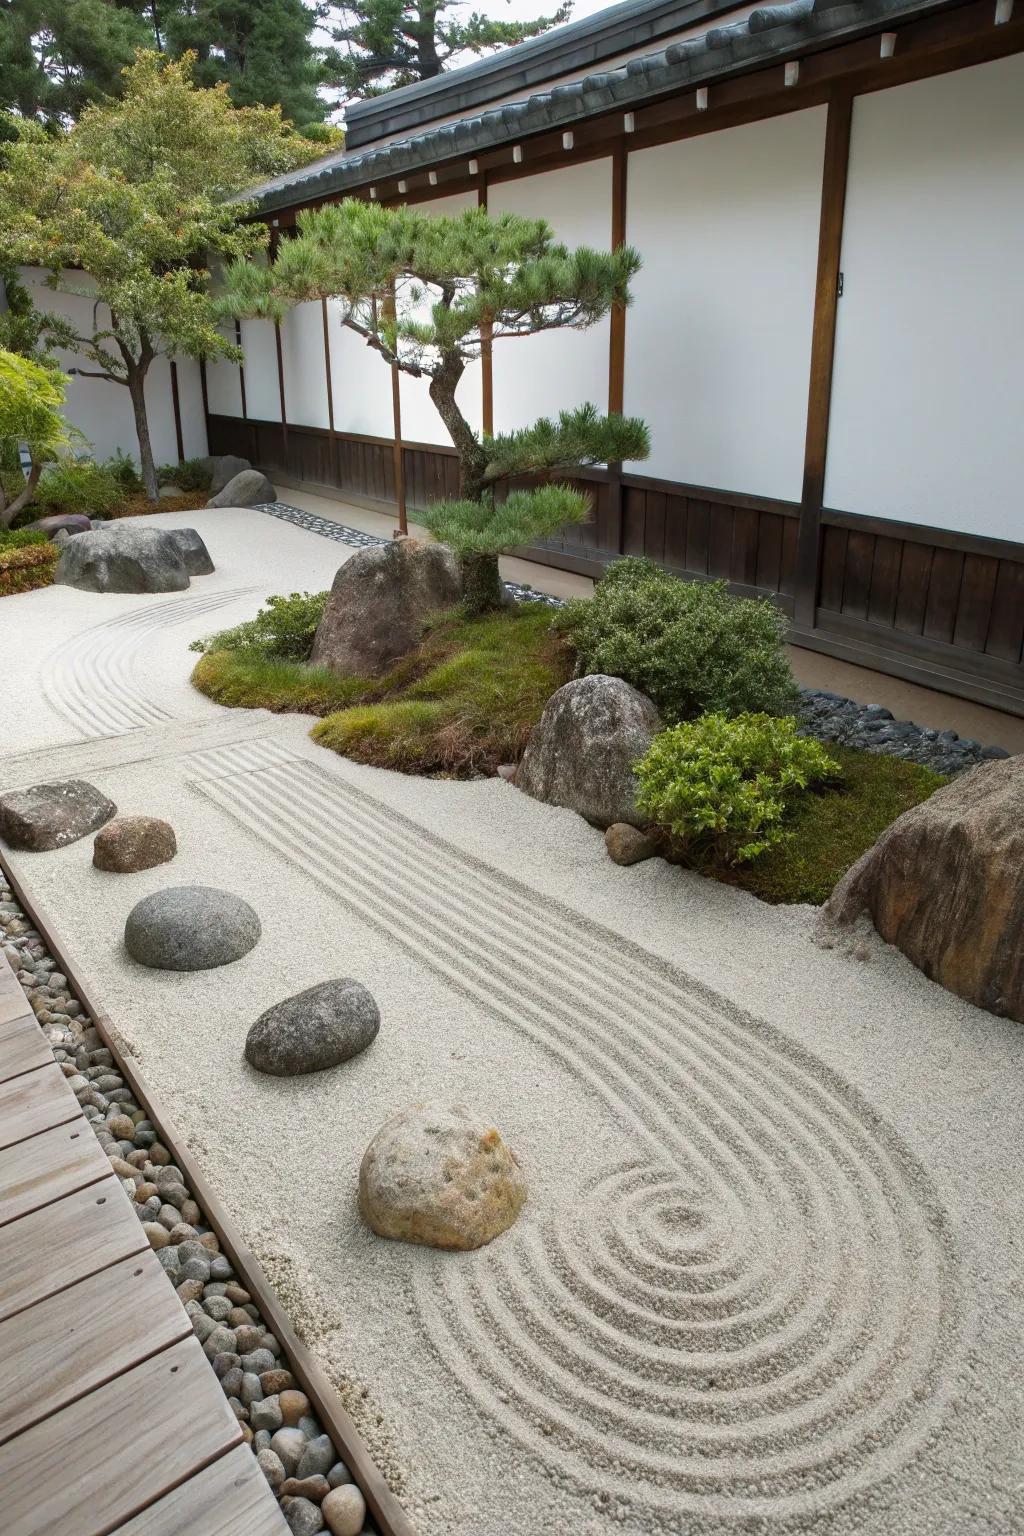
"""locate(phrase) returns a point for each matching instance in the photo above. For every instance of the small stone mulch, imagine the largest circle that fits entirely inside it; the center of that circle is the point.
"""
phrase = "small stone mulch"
(313, 1485)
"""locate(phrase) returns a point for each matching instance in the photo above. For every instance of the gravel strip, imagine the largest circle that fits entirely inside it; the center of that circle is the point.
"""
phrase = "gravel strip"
(298, 1459)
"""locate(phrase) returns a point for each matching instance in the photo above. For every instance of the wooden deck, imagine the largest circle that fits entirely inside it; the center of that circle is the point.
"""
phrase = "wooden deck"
(111, 1419)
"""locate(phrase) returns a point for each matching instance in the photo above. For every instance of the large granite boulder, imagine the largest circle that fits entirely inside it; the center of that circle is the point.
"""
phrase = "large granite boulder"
(437, 1174)
(190, 928)
(224, 467)
(60, 522)
(122, 558)
(131, 843)
(378, 604)
(945, 884)
(317, 1028)
(53, 815)
(582, 751)
(193, 551)
(246, 489)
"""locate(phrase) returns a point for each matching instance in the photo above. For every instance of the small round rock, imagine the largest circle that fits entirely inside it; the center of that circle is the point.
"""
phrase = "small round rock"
(131, 843)
(316, 1029)
(190, 928)
(344, 1509)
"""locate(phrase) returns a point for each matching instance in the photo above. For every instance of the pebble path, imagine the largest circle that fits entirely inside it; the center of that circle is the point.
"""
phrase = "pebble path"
(314, 1487)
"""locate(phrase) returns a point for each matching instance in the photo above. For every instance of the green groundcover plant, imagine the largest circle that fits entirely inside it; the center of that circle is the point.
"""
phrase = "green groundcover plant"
(718, 789)
(284, 630)
(689, 645)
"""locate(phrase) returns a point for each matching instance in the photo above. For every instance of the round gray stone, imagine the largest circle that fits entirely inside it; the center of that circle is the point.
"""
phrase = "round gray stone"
(313, 1030)
(190, 928)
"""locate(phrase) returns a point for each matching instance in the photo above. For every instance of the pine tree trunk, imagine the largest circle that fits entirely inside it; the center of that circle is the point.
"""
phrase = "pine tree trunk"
(482, 588)
(137, 390)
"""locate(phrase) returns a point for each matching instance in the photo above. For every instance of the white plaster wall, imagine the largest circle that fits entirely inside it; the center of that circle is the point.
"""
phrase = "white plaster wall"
(360, 380)
(420, 421)
(305, 373)
(262, 390)
(718, 339)
(542, 375)
(224, 386)
(925, 423)
(102, 410)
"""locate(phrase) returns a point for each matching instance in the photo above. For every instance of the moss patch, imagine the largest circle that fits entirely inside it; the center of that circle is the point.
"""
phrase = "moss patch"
(464, 701)
(139, 505)
(832, 827)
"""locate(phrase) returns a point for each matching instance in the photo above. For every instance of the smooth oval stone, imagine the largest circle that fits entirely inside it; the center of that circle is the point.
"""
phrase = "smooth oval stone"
(190, 928)
(315, 1029)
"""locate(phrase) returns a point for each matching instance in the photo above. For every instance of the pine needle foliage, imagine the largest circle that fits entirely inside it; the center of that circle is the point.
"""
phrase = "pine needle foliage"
(429, 295)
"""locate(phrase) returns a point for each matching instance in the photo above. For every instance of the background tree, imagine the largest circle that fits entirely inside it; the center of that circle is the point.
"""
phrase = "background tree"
(262, 48)
(56, 56)
(133, 198)
(425, 293)
(31, 397)
(388, 43)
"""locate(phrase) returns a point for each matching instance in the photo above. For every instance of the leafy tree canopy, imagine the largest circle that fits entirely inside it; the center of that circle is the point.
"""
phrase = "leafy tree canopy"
(56, 56)
(31, 397)
(134, 198)
(388, 43)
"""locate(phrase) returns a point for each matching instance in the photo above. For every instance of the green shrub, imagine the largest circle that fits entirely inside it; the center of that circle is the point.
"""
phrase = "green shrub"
(21, 538)
(718, 789)
(125, 472)
(189, 475)
(284, 630)
(27, 560)
(689, 645)
(78, 485)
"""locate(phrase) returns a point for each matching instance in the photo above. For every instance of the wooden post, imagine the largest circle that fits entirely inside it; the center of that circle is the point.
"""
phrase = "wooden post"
(241, 369)
(823, 339)
(280, 388)
(486, 365)
(176, 402)
(327, 364)
(396, 413)
(617, 336)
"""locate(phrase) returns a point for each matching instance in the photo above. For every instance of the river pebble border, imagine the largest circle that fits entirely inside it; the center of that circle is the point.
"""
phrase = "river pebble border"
(297, 1458)
(826, 716)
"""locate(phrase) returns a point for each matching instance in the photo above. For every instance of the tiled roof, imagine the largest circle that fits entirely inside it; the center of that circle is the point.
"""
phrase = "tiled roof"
(771, 32)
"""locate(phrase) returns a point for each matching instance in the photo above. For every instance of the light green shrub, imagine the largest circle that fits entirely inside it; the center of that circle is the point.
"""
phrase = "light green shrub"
(689, 645)
(78, 485)
(718, 789)
(283, 630)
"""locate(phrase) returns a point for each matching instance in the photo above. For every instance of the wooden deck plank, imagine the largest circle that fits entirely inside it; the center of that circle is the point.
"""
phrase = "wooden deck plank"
(48, 1167)
(13, 1001)
(35, 1102)
(98, 1462)
(229, 1498)
(22, 1046)
(54, 1248)
(74, 1342)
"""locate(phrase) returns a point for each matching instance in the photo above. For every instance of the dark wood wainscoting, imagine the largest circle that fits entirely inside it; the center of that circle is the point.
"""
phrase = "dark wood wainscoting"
(940, 608)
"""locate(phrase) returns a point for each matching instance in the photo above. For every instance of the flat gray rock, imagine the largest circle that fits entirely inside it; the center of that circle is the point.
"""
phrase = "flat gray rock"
(315, 1029)
(193, 551)
(582, 751)
(122, 558)
(53, 815)
(60, 522)
(224, 467)
(245, 489)
(190, 928)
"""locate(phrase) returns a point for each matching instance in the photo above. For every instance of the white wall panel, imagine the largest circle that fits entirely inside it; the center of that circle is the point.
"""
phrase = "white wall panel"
(360, 380)
(193, 421)
(542, 375)
(224, 387)
(420, 421)
(262, 391)
(925, 423)
(305, 374)
(718, 340)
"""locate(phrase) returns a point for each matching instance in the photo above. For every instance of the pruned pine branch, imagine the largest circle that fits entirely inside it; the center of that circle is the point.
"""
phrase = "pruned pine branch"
(576, 439)
(492, 528)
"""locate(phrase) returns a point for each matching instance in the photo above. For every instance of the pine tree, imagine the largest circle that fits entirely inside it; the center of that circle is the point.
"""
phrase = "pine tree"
(262, 48)
(428, 294)
(128, 206)
(388, 43)
(56, 56)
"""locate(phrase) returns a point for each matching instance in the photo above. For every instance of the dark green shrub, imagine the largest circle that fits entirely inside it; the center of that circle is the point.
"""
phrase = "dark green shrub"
(125, 472)
(718, 788)
(689, 645)
(189, 475)
(284, 629)
(78, 485)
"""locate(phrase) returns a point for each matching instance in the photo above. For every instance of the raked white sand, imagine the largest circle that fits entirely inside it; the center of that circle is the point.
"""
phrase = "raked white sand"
(768, 1278)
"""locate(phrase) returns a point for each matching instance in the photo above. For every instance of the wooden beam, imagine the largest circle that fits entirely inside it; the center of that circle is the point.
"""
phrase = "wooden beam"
(486, 359)
(617, 342)
(280, 387)
(241, 369)
(327, 365)
(396, 413)
(823, 336)
(176, 402)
